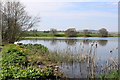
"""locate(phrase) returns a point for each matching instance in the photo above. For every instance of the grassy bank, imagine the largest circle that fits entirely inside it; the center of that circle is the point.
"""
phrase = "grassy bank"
(26, 62)
(41, 39)
(114, 75)
(44, 39)
(49, 34)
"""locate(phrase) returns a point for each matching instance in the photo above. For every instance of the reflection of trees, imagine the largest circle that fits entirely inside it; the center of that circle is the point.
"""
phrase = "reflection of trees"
(102, 42)
(53, 41)
(71, 41)
(86, 41)
(34, 40)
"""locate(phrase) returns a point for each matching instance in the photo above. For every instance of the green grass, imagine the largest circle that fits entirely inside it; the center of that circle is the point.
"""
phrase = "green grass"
(114, 75)
(37, 34)
(114, 35)
(42, 39)
(49, 34)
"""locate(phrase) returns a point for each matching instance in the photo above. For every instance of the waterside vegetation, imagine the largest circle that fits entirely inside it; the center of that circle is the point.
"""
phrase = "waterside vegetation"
(62, 34)
(37, 62)
(33, 62)
(19, 62)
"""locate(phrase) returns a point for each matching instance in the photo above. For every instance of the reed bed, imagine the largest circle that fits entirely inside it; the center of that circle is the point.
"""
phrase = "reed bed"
(92, 68)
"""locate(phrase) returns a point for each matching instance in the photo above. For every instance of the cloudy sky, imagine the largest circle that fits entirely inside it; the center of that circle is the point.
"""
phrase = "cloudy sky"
(80, 14)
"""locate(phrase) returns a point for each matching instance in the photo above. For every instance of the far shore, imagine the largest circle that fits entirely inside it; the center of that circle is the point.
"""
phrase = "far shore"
(61, 38)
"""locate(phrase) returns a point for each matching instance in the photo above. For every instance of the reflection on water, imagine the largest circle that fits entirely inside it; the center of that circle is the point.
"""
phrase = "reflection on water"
(102, 42)
(86, 41)
(93, 64)
(71, 41)
(53, 42)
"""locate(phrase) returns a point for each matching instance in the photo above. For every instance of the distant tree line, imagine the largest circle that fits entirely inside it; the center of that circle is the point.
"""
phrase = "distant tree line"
(72, 32)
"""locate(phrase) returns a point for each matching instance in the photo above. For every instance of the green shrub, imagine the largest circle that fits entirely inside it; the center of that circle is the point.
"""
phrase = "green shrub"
(20, 55)
(59, 35)
(87, 35)
(48, 72)
(15, 65)
(114, 75)
(12, 72)
(13, 55)
(35, 47)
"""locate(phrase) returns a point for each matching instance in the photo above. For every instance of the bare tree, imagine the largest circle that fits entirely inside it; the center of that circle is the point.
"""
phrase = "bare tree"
(103, 32)
(0, 23)
(16, 21)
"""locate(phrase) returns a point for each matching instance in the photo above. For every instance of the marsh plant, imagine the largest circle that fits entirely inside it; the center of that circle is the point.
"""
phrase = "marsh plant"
(93, 66)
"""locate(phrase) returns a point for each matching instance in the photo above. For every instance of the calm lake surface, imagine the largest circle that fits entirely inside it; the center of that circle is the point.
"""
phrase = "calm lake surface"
(81, 45)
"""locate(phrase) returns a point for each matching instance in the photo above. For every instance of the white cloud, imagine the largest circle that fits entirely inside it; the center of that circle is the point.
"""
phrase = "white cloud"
(56, 11)
(78, 14)
(69, 0)
(45, 6)
(48, 9)
(113, 3)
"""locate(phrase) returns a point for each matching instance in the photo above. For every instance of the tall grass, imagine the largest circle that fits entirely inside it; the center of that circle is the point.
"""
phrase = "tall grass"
(94, 67)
